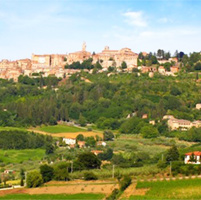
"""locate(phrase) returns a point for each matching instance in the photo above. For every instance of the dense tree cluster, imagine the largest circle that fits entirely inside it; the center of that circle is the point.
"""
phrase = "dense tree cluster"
(86, 64)
(22, 140)
(192, 62)
(147, 60)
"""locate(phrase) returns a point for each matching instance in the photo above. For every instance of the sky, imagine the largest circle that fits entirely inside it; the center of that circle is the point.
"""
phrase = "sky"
(61, 26)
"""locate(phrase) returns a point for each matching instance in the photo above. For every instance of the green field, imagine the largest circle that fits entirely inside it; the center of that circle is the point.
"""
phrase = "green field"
(60, 129)
(178, 189)
(129, 143)
(52, 197)
(18, 156)
(11, 128)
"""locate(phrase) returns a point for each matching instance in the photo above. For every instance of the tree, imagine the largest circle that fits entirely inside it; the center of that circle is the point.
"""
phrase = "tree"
(22, 177)
(198, 66)
(111, 69)
(107, 155)
(132, 126)
(89, 160)
(61, 172)
(82, 120)
(175, 91)
(47, 172)
(90, 141)
(160, 53)
(172, 154)
(52, 121)
(125, 182)
(34, 179)
(108, 135)
(123, 65)
(49, 149)
(90, 176)
(98, 65)
(192, 158)
(4, 178)
(149, 132)
(80, 137)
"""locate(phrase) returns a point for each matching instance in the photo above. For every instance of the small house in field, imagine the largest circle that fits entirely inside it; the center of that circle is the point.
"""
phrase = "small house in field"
(69, 141)
(96, 152)
(9, 171)
(193, 157)
(198, 106)
(152, 122)
(144, 116)
(174, 69)
(161, 70)
(101, 143)
(81, 144)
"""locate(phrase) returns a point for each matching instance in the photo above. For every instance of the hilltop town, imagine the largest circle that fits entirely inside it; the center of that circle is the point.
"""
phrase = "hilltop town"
(57, 64)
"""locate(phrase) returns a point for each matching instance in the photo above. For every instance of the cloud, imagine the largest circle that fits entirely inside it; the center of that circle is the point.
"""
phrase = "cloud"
(135, 19)
(163, 20)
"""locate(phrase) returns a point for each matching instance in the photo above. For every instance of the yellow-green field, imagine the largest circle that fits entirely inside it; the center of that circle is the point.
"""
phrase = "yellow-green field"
(18, 156)
(177, 189)
(61, 129)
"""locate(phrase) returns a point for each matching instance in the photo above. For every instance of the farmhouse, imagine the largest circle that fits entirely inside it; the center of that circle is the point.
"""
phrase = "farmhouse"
(96, 152)
(198, 106)
(101, 143)
(161, 70)
(174, 69)
(193, 157)
(175, 124)
(182, 124)
(81, 144)
(69, 141)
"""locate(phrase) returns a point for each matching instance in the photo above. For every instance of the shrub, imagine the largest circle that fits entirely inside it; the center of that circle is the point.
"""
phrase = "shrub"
(89, 160)
(108, 135)
(125, 183)
(61, 172)
(47, 172)
(114, 195)
(161, 164)
(34, 179)
(90, 176)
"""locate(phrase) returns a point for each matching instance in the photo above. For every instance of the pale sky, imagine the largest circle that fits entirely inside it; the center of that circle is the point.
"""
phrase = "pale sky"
(61, 26)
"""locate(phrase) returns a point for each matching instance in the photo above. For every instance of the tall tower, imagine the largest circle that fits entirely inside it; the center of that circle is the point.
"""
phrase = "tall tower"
(84, 46)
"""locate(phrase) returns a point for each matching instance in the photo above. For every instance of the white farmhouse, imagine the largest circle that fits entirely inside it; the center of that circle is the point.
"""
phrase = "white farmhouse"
(69, 141)
(198, 106)
(193, 157)
(101, 143)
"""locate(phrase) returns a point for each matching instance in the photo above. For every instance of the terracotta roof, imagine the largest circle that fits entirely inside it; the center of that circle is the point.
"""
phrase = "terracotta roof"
(196, 153)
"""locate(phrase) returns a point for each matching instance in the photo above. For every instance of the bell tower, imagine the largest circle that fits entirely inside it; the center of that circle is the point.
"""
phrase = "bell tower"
(84, 46)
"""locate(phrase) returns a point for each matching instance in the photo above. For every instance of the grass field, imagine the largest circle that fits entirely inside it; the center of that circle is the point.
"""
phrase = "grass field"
(60, 129)
(135, 143)
(18, 156)
(178, 189)
(52, 197)
(64, 131)
(11, 128)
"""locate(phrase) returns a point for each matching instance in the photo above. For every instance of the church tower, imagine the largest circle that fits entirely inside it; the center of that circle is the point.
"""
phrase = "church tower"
(84, 46)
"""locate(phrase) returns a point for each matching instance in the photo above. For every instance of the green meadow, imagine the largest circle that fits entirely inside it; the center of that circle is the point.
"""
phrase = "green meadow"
(6, 128)
(178, 189)
(52, 197)
(18, 156)
(60, 129)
